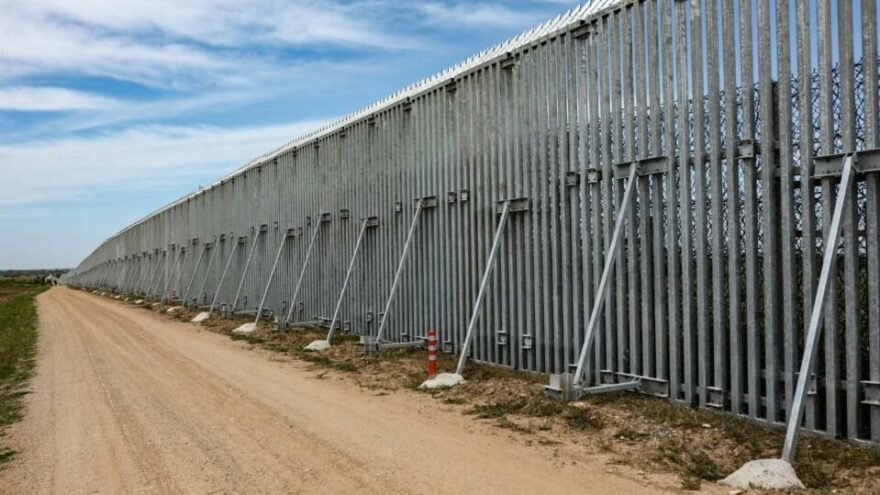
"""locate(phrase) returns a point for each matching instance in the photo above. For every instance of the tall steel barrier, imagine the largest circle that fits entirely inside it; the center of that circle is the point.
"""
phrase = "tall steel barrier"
(736, 115)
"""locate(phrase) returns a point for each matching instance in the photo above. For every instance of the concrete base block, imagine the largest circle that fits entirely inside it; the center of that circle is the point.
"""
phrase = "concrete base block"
(173, 309)
(204, 315)
(246, 329)
(318, 345)
(769, 474)
(443, 380)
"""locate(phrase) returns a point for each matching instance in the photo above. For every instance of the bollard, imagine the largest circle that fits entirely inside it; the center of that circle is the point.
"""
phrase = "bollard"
(432, 353)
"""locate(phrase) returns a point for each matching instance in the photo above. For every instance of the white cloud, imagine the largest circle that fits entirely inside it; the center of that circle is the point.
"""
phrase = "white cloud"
(173, 44)
(52, 170)
(471, 14)
(42, 99)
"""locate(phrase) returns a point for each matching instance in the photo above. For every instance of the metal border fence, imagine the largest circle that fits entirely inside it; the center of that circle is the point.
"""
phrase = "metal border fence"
(735, 116)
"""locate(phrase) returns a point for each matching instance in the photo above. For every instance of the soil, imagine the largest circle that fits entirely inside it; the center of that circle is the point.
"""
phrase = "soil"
(126, 400)
(643, 436)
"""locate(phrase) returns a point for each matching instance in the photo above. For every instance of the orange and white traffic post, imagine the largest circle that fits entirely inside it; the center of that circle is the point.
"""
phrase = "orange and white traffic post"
(432, 353)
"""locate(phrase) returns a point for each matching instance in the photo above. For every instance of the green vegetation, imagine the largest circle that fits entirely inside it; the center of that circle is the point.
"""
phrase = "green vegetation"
(18, 346)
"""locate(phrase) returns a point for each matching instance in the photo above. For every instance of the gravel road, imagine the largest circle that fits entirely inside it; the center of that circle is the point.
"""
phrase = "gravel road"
(126, 401)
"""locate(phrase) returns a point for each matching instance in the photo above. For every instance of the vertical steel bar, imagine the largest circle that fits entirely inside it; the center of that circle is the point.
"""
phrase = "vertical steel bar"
(872, 140)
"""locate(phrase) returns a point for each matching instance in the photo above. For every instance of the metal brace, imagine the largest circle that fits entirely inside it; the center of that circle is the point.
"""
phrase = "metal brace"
(507, 206)
(563, 387)
(864, 162)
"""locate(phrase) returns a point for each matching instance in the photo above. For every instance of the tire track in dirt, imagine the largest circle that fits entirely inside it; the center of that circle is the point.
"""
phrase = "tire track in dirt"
(125, 401)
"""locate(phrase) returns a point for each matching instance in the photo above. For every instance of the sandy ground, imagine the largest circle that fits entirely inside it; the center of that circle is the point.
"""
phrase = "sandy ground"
(125, 401)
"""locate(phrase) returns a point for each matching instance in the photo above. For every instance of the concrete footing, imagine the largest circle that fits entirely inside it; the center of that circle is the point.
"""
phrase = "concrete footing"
(443, 380)
(318, 345)
(204, 315)
(768, 474)
(245, 329)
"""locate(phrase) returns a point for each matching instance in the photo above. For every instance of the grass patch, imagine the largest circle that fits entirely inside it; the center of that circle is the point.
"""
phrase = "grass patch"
(692, 464)
(627, 433)
(582, 418)
(494, 410)
(18, 346)
(505, 422)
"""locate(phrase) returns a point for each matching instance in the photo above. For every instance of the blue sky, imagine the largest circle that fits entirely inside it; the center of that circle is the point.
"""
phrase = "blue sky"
(108, 109)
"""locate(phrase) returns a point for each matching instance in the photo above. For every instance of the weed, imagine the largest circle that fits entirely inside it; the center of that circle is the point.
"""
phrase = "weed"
(504, 422)
(314, 358)
(703, 467)
(691, 463)
(346, 366)
(814, 475)
(690, 483)
(627, 433)
(18, 342)
(454, 400)
(548, 441)
(494, 410)
(542, 407)
(581, 418)
(485, 371)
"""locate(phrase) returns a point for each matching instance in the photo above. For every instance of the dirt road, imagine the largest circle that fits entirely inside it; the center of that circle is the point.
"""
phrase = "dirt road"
(125, 401)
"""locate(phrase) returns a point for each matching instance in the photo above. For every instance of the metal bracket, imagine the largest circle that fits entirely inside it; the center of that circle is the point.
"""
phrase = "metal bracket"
(324, 217)
(647, 166)
(527, 342)
(464, 195)
(509, 61)
(716, 397)
(427, 202)
(371, 222)
(501, 337)
(242, 239)
(594, 175)
(264, 228)
(582, 31)
(572, 179)
(516, 205)
(865, 161)
(344, 214)
(747, 149)
(872, 393)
